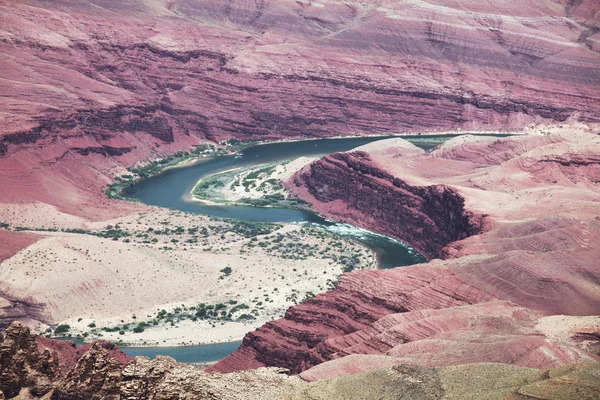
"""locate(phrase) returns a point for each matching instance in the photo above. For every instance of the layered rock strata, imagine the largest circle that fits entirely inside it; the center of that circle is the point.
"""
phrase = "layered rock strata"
(357, 191)
(89, 87)
(92, 87)
(537, 253)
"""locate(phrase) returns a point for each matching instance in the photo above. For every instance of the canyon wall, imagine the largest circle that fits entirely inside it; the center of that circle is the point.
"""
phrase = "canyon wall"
(92, 86)
(358, 192)
(482, 303)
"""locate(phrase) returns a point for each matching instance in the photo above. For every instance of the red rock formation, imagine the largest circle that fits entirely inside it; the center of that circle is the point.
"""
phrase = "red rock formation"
(92, 86)
(37, 364)
(69, 353)
(96, 376)
(427, 217)
(539, 251)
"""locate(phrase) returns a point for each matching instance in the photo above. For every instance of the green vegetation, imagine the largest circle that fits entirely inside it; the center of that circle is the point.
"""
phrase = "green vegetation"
(235, 145)
(114, 189)
(256, 179)
(62, 329)
(213, 313)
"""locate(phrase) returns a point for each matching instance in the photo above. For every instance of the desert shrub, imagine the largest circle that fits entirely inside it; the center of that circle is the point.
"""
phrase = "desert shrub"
(63, 328)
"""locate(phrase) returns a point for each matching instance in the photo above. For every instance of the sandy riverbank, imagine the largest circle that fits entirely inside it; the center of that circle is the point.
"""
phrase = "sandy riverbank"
(167, 260)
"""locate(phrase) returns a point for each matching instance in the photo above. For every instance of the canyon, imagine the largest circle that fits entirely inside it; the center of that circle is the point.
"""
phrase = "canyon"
(92, 86)
(515, 230)
(510, 227)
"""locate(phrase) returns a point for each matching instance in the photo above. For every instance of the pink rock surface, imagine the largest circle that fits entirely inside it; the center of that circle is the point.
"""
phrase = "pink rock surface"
(89, 85)
(493, 331)
(536, 247)
(69, 353)
(13, 242)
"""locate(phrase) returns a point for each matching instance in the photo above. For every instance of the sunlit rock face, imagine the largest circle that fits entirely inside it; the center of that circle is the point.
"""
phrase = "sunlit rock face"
(517, 234)
(89, 86)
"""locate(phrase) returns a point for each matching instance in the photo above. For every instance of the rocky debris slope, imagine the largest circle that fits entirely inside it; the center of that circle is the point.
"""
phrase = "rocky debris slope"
(163, 378)
(538, 246)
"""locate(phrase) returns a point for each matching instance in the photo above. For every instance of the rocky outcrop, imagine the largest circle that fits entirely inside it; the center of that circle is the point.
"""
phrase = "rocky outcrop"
(163, 378)
(22, 365)
(95, 376)
(538, 248)
(42, 366)
(69, 354)
(360, 193)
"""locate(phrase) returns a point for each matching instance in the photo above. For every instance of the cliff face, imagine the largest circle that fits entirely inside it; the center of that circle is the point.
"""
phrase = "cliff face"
(91, 86)
(362, 194)
(539, 248)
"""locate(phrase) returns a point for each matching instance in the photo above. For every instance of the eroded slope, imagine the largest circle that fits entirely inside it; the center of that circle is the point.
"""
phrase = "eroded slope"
(537, 249)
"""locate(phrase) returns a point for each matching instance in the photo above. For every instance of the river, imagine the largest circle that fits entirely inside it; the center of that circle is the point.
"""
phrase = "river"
(172, 188)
